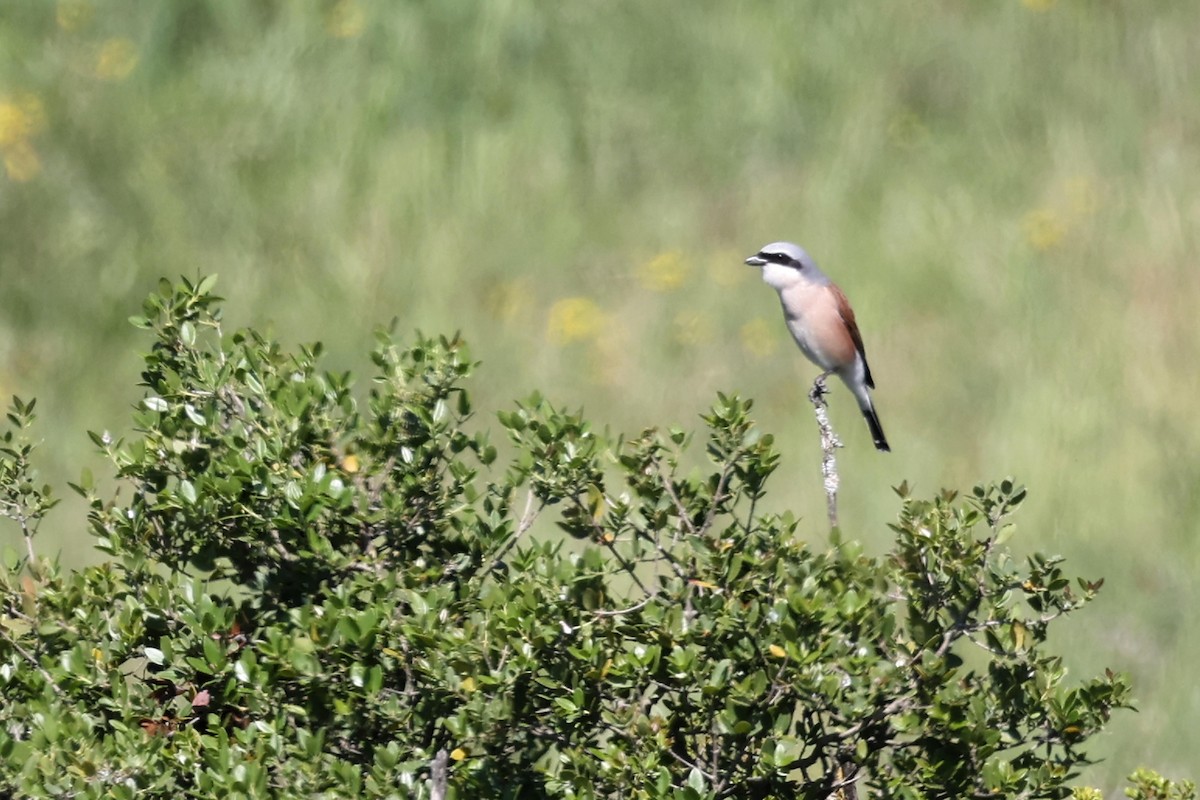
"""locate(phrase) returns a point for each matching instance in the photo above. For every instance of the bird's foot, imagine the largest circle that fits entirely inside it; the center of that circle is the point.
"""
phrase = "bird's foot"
(819, 390)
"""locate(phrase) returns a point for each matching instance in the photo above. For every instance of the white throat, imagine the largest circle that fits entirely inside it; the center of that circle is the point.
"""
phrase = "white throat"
(779, 277)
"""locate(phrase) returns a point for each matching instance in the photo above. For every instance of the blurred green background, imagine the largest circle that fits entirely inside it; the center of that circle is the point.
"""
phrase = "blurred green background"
(1007, 190)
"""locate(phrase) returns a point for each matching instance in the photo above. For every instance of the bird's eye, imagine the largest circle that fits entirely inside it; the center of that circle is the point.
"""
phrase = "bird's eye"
(778, 258)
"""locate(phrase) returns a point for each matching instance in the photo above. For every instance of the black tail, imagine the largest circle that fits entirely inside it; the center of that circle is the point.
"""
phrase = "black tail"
(876, 429)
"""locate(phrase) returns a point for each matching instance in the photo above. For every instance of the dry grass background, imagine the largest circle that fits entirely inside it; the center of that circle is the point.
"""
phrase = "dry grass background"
(1007, 191)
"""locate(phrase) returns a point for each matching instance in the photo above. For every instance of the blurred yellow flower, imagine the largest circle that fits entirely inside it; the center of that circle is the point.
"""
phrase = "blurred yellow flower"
(664, 273)
(574, 319)
(1038, 5)
(758, 338)
(1044, 229)
(345, 19)
(21, 161)
(116, 60)
(12, 124)
(20, 117)
(72, 15)
(692, 328)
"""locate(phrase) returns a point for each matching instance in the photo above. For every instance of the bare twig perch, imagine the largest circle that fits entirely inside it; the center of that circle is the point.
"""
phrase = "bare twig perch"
(437, 775)
(844, 788)
(829, 443)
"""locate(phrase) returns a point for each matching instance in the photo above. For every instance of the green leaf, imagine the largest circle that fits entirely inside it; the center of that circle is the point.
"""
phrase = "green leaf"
(195, 416)
(206, 284)
(213, 653)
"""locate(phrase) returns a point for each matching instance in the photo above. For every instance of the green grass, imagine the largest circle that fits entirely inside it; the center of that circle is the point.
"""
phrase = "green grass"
(1007, 194)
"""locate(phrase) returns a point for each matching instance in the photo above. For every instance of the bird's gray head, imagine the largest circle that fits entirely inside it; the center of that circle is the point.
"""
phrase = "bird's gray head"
(784, 264)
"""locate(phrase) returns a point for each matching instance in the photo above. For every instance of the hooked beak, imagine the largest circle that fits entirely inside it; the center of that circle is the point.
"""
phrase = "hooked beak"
(756, 261)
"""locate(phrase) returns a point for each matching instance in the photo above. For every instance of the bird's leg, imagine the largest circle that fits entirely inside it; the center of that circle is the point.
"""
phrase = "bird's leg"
(818, 389)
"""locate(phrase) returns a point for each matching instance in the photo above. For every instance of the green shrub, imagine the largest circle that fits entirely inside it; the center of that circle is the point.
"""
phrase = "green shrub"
(309, 595)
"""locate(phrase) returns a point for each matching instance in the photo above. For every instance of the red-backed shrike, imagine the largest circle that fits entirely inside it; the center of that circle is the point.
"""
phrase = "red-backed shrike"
(821, 321)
